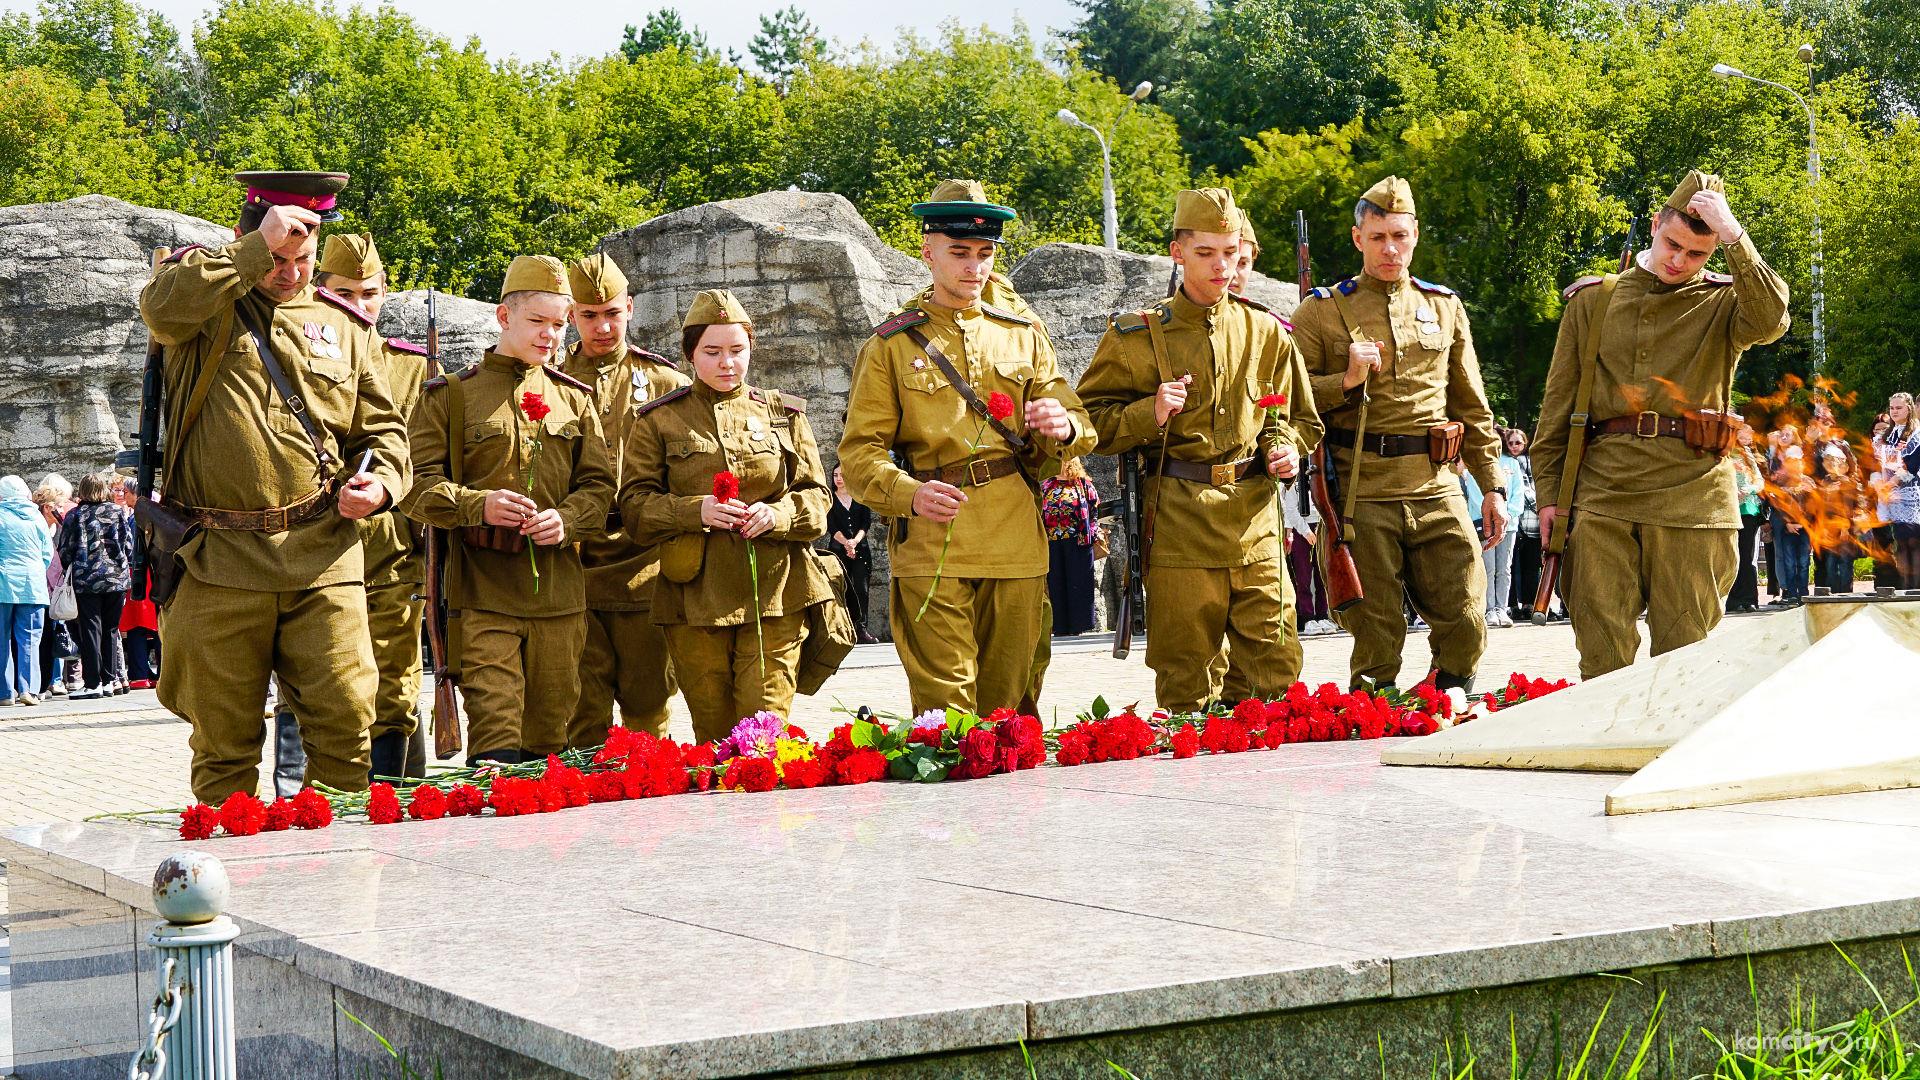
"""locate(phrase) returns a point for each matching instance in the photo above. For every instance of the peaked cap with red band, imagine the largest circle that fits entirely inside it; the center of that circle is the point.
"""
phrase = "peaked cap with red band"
(315, 191)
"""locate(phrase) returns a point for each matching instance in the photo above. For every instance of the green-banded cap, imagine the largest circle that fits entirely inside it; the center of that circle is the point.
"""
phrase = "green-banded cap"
(959, 208)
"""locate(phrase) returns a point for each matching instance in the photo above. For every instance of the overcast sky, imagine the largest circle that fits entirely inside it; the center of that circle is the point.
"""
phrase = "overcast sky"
(533, 30)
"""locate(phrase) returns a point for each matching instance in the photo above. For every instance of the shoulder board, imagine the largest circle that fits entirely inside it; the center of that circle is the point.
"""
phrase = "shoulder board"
(791, 403)
(909, 317)
(1712, 278)
(1346, 287)
(1005, 315)
(175, 257)
(1581, 283)
(1281, 321)
(565, 379)
(344, 304)
(1250, 302)
(1124, 321)
(1432, 288)
(405, 346)
(1321, 293)
(439, 381)
(653, 356)
(671, 395)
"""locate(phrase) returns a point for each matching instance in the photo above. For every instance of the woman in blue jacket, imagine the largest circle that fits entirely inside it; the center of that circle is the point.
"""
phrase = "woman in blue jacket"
(25, 553)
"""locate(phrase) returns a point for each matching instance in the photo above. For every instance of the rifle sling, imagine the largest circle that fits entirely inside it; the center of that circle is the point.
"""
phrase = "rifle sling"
(966, 392)
(323, 461)
(456, 471)
(202, 385)
(1359, 337)
(1165, 366)
(1577, 423)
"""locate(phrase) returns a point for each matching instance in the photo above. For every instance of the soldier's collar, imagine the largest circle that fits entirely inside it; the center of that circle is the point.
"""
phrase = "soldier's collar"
(1184, 308)
(1385, 288)
(937, 310)
(708, 393)
(514, 366)
(619, 353)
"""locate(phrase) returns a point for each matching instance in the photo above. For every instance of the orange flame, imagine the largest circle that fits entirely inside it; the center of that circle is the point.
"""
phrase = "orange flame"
(1836, 507)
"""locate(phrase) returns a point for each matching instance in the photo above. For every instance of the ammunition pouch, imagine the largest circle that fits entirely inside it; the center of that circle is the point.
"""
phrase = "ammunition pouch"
(163, 528)
(1710, 431)
(1443, 442)
(493, 538)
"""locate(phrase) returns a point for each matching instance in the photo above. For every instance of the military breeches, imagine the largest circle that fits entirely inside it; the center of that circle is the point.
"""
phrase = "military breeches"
(1615, 569)
(1425, 549)
(1192, 612)
(976, 648)
(519, 679)
(718, 669)
(625, 661)
(220, 647)
(393, 621)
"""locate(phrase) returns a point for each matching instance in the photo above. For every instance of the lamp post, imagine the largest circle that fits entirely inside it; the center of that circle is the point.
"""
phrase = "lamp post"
(1112, 213)
(1723, 72)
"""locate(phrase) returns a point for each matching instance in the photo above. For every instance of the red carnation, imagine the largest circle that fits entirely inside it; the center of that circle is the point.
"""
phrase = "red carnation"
(311, 810)
(198, 822)
(1186, 742)
(606, 787)
(242, 814)
(999, 406)
(465, 800)
(534, 406)
(383, 807)
(726, 487)
(1072, 748)
(1250, 712)
(804, 773)
(514, 795)
(429, 803)
(280, 816)
(752, 774)
(862, 766)
(1274, 401)
(840, 745)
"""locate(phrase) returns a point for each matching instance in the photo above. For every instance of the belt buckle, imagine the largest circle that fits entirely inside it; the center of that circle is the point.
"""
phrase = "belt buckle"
(978, 473)
(1647, 424)
(1222, 474)
(274, 519)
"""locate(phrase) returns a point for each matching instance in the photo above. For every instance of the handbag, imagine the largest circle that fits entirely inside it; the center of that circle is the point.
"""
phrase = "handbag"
(63, 605)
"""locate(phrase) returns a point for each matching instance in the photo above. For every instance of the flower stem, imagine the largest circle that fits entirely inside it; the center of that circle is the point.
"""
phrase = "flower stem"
(939, 567)
(760, 638)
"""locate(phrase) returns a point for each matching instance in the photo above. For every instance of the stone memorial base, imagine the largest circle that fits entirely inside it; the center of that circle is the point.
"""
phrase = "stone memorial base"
(1298, 912)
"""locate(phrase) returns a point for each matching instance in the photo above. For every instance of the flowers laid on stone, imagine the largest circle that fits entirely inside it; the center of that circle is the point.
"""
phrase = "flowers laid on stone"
(764, 752)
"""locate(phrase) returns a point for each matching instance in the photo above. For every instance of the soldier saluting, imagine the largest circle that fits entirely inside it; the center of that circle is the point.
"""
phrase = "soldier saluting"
(1645, 361)
(510, 460)
(1394, 355)
(273, 394)
(1186, 379)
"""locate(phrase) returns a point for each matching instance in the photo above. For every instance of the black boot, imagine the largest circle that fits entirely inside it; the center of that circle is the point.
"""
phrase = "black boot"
(389, 758)
(498, 757)
(289, 755)
(1443, 681)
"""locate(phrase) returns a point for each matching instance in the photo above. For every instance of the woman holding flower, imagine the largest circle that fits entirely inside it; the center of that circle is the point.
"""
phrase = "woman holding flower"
(726, 479)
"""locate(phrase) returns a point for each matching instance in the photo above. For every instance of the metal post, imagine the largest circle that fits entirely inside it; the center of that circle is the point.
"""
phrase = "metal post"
(194, 961)
(1110, 213)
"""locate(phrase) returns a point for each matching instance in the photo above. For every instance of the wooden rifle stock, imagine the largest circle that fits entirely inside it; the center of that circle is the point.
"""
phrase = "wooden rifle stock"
(1343, 577)
(1132, 588)
(446, 703)
(1549, 581)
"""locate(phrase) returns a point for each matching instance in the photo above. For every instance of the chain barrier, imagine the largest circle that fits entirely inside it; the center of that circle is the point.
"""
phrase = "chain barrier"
(151, 1063)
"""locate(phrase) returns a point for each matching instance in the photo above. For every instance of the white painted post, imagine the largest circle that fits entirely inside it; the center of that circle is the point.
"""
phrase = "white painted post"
(195, 946)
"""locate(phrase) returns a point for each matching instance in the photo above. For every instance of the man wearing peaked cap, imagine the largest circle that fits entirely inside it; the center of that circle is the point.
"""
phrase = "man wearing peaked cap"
(968, 631)
(1654, 511)
(510, 459)
(626, 654)
(1394, 354)
(271, 584)
(350, 267)
(1183, 383)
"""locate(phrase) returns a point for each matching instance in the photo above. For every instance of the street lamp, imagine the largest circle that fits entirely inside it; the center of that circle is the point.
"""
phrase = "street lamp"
(1723, 72)
(1112, 213)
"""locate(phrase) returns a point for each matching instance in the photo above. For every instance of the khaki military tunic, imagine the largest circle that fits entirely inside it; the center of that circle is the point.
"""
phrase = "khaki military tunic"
(520, 648)
(292, 603)
(1414, 534)
(975, 648)
(395, 571)
(1667, 544)
(704, 597)
(1215, 572)
(626, 654)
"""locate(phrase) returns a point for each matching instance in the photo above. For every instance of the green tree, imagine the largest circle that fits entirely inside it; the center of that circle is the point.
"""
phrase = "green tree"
(1319, 173)
(787, 41)
(1129, 41)
(663, 30)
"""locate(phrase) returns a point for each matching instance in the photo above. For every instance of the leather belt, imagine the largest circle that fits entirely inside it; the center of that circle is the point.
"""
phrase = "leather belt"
(971, 474)
(1383, 445)
(1216, 475)
(1647, 425)
(274, 519)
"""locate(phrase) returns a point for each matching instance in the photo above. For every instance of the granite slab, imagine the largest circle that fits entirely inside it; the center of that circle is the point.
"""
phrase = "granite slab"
(723, 934)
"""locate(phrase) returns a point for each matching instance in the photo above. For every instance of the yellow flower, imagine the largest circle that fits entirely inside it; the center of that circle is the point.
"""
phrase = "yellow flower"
(786, 750)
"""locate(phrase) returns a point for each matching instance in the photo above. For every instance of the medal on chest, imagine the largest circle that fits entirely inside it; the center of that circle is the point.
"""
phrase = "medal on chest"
(322, 340)
(753, 429)
(1428, 319)
(640, 395)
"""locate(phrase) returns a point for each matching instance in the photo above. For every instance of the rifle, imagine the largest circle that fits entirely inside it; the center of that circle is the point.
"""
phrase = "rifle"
(1561, 529)
(1323, 480)
(1133, 598)
(152, 383)
(446, 674)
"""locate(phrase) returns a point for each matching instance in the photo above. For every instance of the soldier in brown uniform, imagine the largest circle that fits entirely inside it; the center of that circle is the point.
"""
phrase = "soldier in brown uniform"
(511, 415)
(1656, 515)
(729, 664)
(350, 267)
(1397, 351)
(271, 581)
(626, 655)
(975, 646)
(1188, 375)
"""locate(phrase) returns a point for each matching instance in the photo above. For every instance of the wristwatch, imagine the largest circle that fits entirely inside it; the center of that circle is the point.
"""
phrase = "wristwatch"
(1500, 491)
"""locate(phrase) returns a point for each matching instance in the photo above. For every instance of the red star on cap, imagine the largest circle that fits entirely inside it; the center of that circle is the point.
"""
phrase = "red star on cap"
(313, 202)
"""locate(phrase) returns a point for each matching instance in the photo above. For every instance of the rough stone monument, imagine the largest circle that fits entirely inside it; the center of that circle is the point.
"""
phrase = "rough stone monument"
(467, 327)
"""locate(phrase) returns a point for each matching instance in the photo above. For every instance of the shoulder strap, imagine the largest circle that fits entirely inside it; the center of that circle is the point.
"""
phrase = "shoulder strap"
(1345, 307)
(972, 399)
(1158, 336)
(1577, 423)
(323, 461)
(456, 430)
(1359, 337)
(203, 384)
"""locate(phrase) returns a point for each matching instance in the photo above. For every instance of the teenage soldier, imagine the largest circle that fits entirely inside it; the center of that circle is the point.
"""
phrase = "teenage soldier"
(350, 267)
(730, 661)
(966, 627)
(1655, 512)
(626, 655)
(274, 396)
(1183, 381)
(1249, 251)
(531, 482)
(1395, 354)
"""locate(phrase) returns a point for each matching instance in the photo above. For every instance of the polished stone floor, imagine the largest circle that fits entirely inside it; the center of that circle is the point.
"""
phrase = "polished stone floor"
(730, 932)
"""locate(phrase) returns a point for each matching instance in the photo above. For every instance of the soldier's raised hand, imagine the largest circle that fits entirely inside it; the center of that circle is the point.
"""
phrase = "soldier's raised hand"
(1713, 209)
(1363, 359)
(938, 502)
(1171, 399)
(287, 227)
